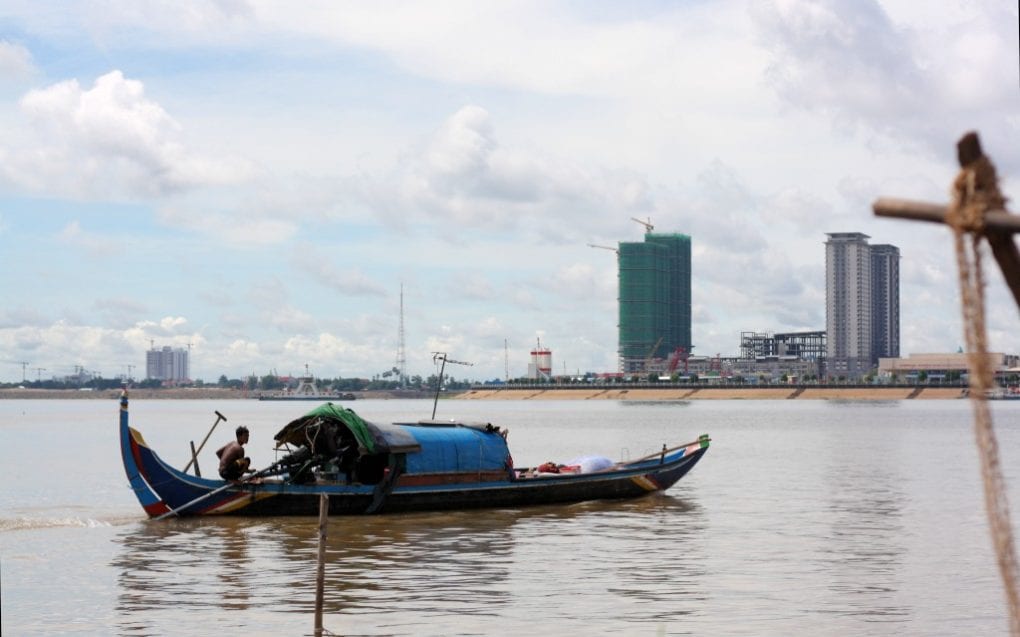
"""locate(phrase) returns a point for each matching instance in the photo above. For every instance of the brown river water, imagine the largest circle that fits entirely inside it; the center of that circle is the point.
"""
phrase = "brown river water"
(804, 518)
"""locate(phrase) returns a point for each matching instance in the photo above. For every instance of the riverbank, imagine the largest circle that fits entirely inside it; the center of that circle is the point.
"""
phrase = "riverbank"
(720, 393)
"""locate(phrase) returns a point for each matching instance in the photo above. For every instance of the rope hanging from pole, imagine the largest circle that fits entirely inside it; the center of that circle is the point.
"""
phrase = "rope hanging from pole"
(975, 192)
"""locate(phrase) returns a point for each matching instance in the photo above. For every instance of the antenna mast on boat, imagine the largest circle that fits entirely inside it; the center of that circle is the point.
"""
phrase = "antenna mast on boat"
(401, 353)
(441, 356)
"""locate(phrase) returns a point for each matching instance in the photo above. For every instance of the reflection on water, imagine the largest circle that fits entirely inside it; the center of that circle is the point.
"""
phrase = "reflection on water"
(864, 549)
(390, 571)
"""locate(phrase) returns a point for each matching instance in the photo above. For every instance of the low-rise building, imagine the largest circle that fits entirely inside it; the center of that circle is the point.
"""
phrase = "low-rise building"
(949, 367)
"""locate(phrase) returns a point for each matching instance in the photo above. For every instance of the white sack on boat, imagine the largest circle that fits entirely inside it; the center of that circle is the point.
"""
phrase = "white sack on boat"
(591, 464)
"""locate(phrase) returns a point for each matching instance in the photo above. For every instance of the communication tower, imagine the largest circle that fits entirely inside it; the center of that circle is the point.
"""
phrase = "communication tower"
(401, 353)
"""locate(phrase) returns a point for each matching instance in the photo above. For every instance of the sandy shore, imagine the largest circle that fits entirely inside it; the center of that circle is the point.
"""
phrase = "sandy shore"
(749, 393)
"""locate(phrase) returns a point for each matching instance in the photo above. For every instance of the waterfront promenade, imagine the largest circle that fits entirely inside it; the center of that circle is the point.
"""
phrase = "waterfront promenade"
(716, 393)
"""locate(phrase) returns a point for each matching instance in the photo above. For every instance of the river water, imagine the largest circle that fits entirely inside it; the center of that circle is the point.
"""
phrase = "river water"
(804, 518)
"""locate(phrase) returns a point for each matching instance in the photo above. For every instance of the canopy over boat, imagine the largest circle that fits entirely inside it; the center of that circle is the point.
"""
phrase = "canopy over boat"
(431, 446)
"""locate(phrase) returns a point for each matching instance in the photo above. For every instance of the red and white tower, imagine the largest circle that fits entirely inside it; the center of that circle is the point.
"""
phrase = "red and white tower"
(541, 362)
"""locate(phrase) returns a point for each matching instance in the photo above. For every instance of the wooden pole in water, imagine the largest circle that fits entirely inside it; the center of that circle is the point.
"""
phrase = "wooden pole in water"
(320, 575)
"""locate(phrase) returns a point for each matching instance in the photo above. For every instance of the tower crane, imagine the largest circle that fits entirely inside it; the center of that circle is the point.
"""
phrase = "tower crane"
(593, 245)
(647, 224)
(679, 354)
(651, 353)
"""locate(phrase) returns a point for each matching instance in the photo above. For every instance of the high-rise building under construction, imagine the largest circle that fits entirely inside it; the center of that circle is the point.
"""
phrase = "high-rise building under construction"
(655, 299)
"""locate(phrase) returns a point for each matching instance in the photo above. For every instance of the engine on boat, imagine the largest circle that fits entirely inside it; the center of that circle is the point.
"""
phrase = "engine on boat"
(331, 453)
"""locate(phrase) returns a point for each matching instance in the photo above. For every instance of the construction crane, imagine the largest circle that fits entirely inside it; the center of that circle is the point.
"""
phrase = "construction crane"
(38, 373)
(679, 354)
(594, 245)
(647, 224)
(651, 353)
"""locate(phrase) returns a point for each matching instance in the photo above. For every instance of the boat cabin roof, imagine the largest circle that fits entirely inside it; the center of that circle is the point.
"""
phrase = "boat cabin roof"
(430, 445)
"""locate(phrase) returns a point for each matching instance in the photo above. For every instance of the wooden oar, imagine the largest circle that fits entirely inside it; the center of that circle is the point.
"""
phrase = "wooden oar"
(229, 485)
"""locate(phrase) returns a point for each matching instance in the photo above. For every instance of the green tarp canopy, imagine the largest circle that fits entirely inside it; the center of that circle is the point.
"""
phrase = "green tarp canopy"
(294, 432)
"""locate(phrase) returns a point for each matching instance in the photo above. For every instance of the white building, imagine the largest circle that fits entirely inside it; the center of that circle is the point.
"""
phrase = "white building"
(167, 364)
(943, 366)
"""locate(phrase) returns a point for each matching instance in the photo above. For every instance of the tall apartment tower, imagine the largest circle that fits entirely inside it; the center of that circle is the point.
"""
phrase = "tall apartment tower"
(655, 299)
(862, 303)
(167, 364)
(885, 304)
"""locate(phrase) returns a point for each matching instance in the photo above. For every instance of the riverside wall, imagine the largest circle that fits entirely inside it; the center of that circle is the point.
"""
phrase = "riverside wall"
(718, 393)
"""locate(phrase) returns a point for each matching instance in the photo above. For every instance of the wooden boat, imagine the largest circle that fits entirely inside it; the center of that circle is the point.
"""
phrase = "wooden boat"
(371, 468)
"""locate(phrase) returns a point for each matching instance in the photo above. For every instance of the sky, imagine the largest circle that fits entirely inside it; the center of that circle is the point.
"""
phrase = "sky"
(257, 181)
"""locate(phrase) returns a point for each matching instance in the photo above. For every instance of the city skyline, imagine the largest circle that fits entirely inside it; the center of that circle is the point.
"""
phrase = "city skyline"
(259, 180)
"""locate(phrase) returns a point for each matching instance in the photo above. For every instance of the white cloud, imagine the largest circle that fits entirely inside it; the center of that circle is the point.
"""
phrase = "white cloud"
(850, 60)
(465, 179)
(108, 140)
(15, 62)
(94, 244)
(167, 327)
(320, 267)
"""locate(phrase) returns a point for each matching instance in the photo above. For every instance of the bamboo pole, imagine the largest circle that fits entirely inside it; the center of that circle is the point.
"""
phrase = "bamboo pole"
(194, 459)
(922, 211)
(320, 575)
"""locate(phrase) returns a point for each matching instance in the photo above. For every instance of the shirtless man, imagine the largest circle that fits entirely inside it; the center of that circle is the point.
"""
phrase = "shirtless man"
(233, 462)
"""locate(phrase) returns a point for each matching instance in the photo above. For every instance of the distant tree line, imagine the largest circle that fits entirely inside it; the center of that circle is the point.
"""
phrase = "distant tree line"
(269, 382)
(272, 382)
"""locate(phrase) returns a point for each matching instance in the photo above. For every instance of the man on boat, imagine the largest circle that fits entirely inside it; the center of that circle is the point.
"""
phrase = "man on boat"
(233, 462)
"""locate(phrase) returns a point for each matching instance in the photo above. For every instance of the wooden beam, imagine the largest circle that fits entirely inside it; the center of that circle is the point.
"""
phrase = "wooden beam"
(998, 220)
